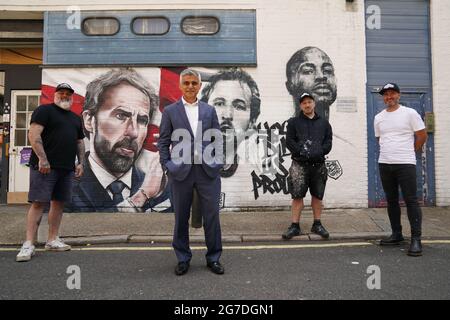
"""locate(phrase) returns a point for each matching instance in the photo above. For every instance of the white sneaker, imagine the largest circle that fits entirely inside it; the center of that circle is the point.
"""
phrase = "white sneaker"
(57, 245)
(26, 252)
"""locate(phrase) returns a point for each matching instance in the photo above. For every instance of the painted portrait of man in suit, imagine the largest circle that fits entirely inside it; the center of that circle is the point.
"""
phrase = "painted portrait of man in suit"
(118, 107)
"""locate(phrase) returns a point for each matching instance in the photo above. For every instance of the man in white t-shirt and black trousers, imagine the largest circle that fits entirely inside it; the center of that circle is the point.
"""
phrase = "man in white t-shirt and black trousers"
(395, 129)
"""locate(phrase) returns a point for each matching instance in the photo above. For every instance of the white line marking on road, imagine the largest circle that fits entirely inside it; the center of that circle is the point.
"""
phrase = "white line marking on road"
(436, 241)
(300, 246)
(250, 247)
(241, 247)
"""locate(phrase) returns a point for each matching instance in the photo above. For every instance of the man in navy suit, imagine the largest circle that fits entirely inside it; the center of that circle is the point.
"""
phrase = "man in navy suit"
(191, 128)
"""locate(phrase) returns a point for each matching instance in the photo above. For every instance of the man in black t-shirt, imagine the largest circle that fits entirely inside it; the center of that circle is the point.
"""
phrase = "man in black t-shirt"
(56, 136)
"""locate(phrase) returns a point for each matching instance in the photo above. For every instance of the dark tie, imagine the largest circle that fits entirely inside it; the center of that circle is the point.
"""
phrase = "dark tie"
(116, 188)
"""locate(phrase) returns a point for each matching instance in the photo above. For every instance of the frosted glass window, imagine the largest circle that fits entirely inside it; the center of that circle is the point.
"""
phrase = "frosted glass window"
(200, 25)
(100, 26)
(151, 26)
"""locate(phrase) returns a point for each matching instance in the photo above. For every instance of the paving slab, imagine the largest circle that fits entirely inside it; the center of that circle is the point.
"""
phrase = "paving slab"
(237, 226)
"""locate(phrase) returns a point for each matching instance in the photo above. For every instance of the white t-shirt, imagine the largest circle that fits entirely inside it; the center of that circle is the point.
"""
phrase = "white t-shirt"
(396, 132)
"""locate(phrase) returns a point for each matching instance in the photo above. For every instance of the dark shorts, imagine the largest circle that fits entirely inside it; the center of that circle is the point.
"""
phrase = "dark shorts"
(57, 185)
(307, 176)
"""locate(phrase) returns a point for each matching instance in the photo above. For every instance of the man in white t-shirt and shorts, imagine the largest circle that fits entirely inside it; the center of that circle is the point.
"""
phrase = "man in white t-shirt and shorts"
(395, 129)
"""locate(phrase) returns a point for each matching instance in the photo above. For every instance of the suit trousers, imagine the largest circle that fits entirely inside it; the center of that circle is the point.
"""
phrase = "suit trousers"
(209, 194)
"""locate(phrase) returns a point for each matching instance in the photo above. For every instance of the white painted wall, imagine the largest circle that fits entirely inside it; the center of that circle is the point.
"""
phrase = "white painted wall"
(62, 5)
(440, 46)
(284, 27)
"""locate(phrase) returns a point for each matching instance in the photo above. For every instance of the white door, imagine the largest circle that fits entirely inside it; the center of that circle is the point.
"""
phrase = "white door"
(23, 102)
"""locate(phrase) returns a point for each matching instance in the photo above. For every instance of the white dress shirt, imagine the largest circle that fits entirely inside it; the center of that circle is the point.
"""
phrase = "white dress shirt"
(192, 114)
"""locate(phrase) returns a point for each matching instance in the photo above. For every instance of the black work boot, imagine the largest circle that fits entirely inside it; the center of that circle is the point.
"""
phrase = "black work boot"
(320, 230)
(291, 232)
(394, 239)
(415, 249)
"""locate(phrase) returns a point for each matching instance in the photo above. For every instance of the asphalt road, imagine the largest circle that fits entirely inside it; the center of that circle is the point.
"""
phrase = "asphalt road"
(275, 272)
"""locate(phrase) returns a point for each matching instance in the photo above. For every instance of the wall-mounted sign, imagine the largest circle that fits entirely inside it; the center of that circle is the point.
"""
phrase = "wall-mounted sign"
(346, 104)
(25, 155)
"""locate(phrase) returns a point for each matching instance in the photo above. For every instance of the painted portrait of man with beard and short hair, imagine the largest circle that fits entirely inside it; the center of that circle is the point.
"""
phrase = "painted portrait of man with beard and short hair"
(310, 70)
(235, 96)
(119, 105)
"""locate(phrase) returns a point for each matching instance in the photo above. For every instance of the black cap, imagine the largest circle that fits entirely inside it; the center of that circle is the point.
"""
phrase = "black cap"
(65, 86)
(305, 95)
(390, 86)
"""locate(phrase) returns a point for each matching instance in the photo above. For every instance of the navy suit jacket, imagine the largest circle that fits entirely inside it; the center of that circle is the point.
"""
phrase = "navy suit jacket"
(88, 195)
(178, 160)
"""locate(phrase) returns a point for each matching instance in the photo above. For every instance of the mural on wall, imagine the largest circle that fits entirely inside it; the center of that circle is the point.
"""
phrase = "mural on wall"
(235, 96)
(274, 173)
(119, 106)
(274, 177)
(309, 70)
(121, 111)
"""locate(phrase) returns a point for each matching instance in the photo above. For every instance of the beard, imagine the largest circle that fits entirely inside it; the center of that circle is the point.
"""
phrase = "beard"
(393, 103)
(111, 159)
(323, 110)
(64, 104)
(229, 149)
(324, 92)
(229, 140)
(228, 130)
(325, 99)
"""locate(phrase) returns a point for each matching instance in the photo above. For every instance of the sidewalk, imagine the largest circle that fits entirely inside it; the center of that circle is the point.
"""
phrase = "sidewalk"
(101, 228)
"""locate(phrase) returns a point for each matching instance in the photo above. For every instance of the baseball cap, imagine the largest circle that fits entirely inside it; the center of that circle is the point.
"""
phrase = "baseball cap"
(305, 95)
(62, 86)
(390, 86)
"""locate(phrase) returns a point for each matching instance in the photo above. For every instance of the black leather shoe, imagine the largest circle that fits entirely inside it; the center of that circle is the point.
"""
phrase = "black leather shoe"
(291, 232)
(392, 240)
(216, 267)
(182, 268)
(320, 230)
(415, 249)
